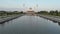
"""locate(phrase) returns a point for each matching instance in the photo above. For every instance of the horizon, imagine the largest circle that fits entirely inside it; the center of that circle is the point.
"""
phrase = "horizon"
(37, 5)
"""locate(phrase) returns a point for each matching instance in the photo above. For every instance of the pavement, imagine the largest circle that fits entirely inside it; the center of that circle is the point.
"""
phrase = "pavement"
(8, 18)
(52, 18)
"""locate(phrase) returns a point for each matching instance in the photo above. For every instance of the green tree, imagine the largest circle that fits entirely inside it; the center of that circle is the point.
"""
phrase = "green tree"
(51, 12)
(56, 12)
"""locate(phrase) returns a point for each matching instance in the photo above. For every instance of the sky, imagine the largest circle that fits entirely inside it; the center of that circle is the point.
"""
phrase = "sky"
(25, 4)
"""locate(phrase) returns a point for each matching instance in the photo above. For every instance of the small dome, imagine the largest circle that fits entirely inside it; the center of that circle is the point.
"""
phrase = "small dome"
(30, 9)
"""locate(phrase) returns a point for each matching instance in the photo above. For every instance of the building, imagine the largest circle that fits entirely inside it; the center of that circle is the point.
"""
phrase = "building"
(30, 11)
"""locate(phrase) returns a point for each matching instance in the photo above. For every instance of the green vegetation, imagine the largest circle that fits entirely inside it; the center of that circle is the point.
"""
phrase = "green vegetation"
(53, 13)
(6, 13)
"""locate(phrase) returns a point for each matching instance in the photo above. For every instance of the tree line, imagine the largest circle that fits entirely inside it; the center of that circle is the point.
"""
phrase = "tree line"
(52, 12)
(2, 13)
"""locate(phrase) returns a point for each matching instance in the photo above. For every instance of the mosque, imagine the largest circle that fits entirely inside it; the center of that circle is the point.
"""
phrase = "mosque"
(30, 12)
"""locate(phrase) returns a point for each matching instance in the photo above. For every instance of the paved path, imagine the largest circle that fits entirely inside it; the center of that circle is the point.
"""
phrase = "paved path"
(52, 18)
(5, 19)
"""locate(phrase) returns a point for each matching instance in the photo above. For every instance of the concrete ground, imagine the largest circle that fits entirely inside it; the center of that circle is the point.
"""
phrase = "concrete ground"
(52, 18)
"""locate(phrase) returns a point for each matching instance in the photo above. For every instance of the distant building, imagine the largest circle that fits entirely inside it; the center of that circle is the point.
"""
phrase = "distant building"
(30, 11)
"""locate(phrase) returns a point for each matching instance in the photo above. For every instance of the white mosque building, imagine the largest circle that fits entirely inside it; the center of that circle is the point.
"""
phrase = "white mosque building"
(30, 11)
